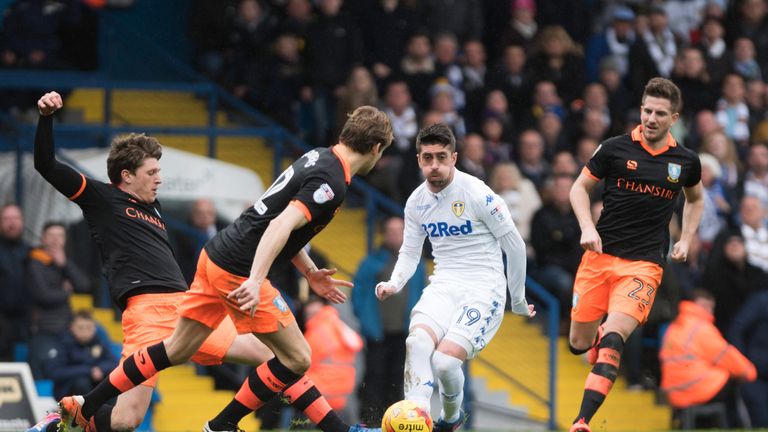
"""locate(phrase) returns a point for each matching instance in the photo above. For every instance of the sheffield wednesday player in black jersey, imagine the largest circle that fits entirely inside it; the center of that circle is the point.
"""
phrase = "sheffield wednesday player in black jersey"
(644, 173)
(231, 280)
(126, 222)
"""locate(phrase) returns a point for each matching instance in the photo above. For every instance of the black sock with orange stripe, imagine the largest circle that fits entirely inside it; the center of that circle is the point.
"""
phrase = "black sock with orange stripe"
(103, 419)
(260, 386)
(305, 397)
(600, 380)
(136, 369)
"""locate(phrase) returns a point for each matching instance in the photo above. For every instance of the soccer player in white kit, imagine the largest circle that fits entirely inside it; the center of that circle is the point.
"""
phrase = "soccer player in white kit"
(460, 311)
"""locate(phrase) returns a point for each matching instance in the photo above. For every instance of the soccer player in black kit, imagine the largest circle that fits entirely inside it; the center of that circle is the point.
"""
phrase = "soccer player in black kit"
(644, 173)
(231, 280)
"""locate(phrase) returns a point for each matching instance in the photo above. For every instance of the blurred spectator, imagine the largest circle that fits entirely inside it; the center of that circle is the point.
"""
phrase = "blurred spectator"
(756, 177)
(653, 53)
(522, 27)
(418, 68)
(13, 292)
(612, 43)
(51, 279)
(545, 100)
(472, 156)
(585, 148)
(531, 158)
(749, 334)
(497, 105)
(724, 150)
(475, 78)
(717, 54)
(564, 164)
(510, 76)
(744, 60)
(594, 99)
(334, 46)
(298, 17)
(208, 29)
(204, 225)
(249, 36)
(694, 83)
(716, 206)
(518, 193)
(594, 125)
(685, 17)
(555, 236)
(755, 98)
(698, 365)
(558, 59)
(386, 27)
(619, 96)
(754, 230)
(384, 324)
(359, 90)
(447, 67)
(334, 346)
(732, 111)
(30, 33)
(463, 18)
(496, 148)
(283, 80)
(444, 102)
(730, 277)
(82, 360)
(752, 23)
(704, 124)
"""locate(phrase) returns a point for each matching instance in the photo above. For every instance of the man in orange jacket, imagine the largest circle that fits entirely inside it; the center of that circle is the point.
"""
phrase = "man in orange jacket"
(698, 366)
(334, 347)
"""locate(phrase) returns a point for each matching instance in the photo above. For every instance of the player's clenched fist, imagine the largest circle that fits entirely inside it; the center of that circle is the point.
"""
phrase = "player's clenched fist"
(385, 289)
(49, 103)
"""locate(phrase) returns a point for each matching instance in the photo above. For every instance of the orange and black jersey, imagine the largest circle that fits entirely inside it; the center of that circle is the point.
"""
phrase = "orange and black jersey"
(316, 184)
(641, 189)
(131, 235)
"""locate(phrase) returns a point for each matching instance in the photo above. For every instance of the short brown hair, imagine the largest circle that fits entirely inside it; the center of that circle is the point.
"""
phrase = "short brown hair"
(128, 152)
(438, 133)
(366, 127)
(665, 89)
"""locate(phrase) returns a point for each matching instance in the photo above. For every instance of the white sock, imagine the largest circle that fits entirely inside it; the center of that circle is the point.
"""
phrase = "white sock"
(418, 379)
(451, 379)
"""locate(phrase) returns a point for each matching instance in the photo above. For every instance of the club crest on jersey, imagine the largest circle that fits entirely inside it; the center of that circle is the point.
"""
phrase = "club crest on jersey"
(457, 208)
(323, 194)
(673, 171)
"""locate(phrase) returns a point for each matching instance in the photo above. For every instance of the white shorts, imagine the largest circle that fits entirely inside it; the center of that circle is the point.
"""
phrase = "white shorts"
(466, 316)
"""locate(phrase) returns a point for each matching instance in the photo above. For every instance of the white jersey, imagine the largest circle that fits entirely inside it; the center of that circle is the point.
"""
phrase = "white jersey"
(463, 222)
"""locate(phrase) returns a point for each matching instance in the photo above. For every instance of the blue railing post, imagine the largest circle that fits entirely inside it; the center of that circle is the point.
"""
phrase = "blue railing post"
(20, 168)
(212, 133)
(370, 220)
(553, 322)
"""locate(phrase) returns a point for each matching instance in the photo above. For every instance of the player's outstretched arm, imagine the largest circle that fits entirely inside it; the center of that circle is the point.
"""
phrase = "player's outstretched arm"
(65, 179)
(514, 249)
(407, 259)
(582, 187)
(320, 280)
(272, 242)
(694, 206)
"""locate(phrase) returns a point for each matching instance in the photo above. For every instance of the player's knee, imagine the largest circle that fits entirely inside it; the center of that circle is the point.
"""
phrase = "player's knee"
(418, 339)
(579, 343)
(445, 364)
(613, 341)
(299, 360)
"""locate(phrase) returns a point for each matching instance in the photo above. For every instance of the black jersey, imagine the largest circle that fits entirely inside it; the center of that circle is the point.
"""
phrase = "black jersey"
(316, 183)
(641, 189)
(131, 235)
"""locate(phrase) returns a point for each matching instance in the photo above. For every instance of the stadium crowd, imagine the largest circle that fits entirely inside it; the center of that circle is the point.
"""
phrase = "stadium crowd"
(531, 88)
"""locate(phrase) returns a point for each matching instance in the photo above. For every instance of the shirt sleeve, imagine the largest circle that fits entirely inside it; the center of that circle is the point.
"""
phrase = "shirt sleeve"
(410, 252)
(494, 213)
(695, 176)
(599, 163)
(318, 197)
